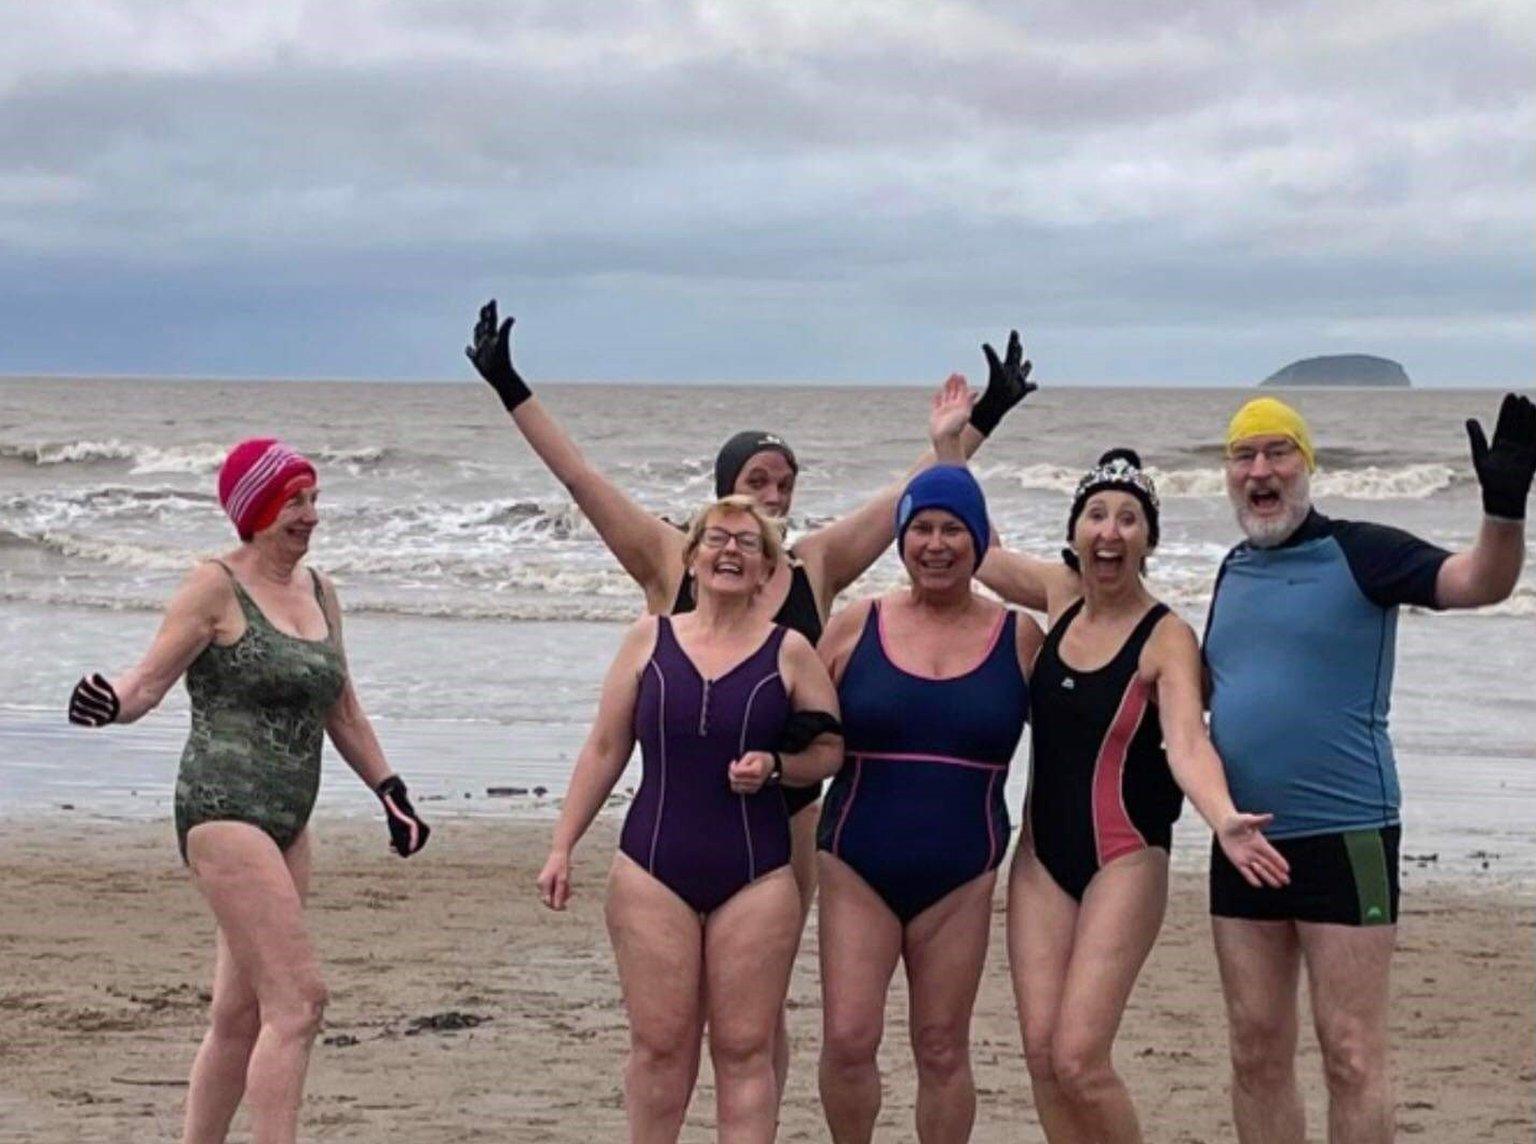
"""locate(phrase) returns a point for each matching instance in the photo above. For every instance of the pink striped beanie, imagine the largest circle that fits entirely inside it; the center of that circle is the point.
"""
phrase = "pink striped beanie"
(256, 480)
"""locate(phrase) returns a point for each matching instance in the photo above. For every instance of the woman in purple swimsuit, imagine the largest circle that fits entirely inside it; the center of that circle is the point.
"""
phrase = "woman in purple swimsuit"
(702, 906)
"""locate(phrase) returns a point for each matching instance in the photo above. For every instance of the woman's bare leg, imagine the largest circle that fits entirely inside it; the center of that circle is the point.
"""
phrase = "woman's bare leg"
(802, 859)
(860, 945)
(945, 948)
(749, 945)
(1121, 914)
(218, 1071)
(1042, 919)
(251, 890)
(658, 944)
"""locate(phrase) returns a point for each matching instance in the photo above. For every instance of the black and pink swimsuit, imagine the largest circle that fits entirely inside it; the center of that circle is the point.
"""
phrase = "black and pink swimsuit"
(1100, 787)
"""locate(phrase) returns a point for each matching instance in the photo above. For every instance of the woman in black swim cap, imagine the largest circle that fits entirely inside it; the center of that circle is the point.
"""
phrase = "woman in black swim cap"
(1118, 741)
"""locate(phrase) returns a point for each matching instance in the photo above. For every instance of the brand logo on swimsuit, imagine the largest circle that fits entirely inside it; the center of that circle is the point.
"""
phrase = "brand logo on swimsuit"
(1068, 682)
(1373, 913)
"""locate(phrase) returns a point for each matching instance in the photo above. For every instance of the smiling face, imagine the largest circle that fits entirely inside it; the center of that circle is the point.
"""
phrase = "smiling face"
(731, 557)
(1269, 487)
(289, 533)
(938, 551)
(769, 479)
(1111, 538)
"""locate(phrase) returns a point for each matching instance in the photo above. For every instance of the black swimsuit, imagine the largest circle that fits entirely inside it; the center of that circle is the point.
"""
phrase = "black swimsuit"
(1100, 787)
(798, 613)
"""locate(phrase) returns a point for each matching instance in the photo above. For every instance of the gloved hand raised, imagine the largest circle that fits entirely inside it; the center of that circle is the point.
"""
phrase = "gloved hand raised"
(491, 354)
(407, 832)
(1504, 469)
(1007, 384)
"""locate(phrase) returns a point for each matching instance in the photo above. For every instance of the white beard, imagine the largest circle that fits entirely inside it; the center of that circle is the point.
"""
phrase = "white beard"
(1273, 532)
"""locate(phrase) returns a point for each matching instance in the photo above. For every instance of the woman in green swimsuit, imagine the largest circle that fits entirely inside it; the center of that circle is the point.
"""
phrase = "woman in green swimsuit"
(258, 636)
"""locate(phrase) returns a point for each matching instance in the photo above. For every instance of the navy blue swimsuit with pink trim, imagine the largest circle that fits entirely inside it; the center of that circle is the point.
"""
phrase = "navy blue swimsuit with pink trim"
(918, 810)
(686, 826)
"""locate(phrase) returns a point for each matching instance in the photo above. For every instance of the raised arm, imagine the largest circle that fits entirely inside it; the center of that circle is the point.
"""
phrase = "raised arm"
(839, 553)
(1040, 585)
(1173, 658)
(190, 621)
(648, 548)
(601, 761)
(1488, 571)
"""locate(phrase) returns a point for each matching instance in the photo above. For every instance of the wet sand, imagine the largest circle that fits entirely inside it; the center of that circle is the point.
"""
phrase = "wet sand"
(462, 1010)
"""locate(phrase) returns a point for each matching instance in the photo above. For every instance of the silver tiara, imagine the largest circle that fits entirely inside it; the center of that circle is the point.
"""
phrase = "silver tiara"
(1118, 472)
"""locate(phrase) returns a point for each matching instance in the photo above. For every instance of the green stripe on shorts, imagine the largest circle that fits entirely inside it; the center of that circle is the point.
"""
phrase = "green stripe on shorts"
(1368, 863)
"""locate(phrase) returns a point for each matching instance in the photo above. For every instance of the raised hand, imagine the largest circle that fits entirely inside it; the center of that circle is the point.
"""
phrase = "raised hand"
(491, 354)
(1504, 469)
(952, 406)
(1256, 860)
(1007, 384)
(407, 832)
(93, 703)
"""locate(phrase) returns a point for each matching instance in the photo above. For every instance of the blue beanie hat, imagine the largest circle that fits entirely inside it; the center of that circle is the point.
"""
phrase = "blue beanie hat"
(953, 489)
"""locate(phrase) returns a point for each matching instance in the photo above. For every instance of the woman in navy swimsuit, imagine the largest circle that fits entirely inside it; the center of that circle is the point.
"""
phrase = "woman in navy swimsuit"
(702, 906)
(1117, 678)
(933, 682)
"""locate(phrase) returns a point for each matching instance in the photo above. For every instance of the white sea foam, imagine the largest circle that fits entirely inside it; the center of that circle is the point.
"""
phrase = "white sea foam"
(1372, 483)
(200, 458)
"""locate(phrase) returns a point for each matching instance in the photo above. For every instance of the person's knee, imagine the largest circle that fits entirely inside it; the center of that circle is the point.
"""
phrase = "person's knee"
(238, 1021)
(1037, 1052)
(941, 1050)
(1082, 1071)
(850, 1042)
(1263, 1047)
(300, 1010)
(1353, 1059)
(737, 1050)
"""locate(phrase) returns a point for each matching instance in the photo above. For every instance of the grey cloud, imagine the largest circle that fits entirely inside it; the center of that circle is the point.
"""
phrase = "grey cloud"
(1238, 163)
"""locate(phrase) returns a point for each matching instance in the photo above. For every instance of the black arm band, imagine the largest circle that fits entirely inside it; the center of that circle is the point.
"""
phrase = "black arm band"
(802, 728)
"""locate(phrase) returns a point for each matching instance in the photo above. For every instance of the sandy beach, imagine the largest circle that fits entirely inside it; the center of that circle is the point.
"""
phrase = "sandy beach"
(462, 1010)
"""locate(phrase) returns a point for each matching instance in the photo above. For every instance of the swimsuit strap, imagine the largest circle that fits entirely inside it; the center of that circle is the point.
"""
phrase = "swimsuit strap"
(248, 607)
(1134, 641)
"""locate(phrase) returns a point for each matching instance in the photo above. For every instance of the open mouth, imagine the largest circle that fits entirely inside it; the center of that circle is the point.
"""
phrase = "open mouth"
(1264, 500)
(728, 566)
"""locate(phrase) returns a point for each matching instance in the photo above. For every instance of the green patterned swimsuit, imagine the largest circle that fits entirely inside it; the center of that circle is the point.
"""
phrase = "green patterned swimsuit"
(258, 722)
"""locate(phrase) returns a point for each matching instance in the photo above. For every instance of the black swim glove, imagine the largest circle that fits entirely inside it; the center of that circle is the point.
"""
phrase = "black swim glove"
(1007, 384)
(93, 703)
(491, 354)
(1505, 468)
(407, 832)
(803, 728)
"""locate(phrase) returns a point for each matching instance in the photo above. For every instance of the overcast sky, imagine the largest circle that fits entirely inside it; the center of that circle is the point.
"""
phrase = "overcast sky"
(808, 190)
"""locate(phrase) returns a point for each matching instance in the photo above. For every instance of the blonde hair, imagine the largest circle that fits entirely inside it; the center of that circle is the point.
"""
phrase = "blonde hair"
(773, 543)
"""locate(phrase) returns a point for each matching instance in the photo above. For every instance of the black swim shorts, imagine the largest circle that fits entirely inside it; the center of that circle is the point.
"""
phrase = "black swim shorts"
(1347, 879)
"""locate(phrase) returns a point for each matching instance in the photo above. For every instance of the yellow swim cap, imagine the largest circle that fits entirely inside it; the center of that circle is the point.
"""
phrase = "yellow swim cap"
(1268, 417)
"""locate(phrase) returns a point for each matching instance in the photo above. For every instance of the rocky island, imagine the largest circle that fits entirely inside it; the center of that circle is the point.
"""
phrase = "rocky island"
(1341, 369)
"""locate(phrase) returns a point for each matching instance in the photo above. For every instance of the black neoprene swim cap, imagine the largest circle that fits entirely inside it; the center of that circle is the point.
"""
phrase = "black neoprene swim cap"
(740, 449)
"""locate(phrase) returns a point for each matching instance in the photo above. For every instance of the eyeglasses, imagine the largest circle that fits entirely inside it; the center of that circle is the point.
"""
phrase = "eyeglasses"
(750, 543)
(1277, 454)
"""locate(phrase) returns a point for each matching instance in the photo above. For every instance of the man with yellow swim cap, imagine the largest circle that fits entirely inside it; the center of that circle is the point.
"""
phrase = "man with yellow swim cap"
(1299, 645)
